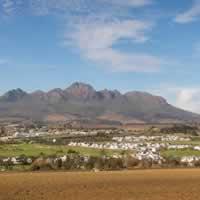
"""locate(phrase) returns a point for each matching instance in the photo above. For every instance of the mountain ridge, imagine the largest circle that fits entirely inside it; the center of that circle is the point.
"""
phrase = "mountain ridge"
(82, 101)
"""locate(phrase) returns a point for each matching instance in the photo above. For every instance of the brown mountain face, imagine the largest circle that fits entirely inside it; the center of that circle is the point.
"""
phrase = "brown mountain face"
(146, 97)
(109, 95)
(82, 101)
(38, 94)
(56, 95)
(81, 91)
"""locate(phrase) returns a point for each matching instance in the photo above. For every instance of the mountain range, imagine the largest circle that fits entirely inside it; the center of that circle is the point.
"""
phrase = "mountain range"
(81, 101)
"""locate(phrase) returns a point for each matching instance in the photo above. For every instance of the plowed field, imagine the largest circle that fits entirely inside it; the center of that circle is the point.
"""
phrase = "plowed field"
(126, 185)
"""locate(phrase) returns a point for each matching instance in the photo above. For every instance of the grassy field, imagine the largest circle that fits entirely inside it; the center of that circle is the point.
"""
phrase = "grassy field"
(49, 150)
(180, 153)
(125, 185)
(194, 142)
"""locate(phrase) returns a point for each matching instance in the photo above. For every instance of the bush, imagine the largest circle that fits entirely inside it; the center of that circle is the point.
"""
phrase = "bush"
(132, 162)
(146, 163)
(113, 164)
(59, 163)
(91, 163)
(42, 163)
(172, 161)
(73, 162)
(23, 159)
(68, 164)
(9, 164)
(197, 163)
(71, 151)
(100, 163)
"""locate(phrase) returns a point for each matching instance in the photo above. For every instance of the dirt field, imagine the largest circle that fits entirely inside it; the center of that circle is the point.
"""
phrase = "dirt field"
(129, 185)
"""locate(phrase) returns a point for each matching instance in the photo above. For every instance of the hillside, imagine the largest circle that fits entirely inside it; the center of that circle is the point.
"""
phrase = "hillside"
(82, 102)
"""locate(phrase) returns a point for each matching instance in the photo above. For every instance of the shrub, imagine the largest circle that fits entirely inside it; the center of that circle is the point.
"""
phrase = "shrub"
(8, 164)
(197, 163)
(91, 163)
(113, 164)
(132, 162)
(68, 163)
(100, 163)
(71, 151)
(59, 163)
(172, 161)
(42, 163)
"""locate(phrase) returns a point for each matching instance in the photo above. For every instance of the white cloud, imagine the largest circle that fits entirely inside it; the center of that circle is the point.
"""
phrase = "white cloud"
(84, 4)
(47, 7)
(133, 3)
(187, 98)
(123, 62)
(100, 35)
(191, 15)
(8, 7)
(95, 40)
(101, 25)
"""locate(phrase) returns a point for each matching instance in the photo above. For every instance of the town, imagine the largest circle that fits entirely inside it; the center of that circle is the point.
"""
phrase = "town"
(65, 147)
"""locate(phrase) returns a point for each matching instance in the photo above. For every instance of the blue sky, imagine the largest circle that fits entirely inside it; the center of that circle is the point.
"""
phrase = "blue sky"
(148, 45)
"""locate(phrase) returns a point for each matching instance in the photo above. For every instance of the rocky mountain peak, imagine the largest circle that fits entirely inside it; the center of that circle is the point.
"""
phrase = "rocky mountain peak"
(14, 95)
(109, 94)
(81, 90)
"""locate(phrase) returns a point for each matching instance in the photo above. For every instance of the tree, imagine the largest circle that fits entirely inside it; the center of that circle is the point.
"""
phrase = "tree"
(59, 163)
(2, 131)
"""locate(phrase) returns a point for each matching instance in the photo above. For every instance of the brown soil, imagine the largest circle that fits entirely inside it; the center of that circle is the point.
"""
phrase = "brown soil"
(127, 185)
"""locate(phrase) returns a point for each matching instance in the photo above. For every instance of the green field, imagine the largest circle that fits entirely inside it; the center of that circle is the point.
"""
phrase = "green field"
(13, 150)
(180, 153)
(193, 142)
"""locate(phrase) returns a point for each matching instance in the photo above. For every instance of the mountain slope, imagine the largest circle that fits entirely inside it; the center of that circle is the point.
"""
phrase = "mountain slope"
(82, 101)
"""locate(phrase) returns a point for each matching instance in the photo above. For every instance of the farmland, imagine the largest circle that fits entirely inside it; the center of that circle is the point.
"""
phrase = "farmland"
(133, 185)
(48, 150)
(181, 152)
